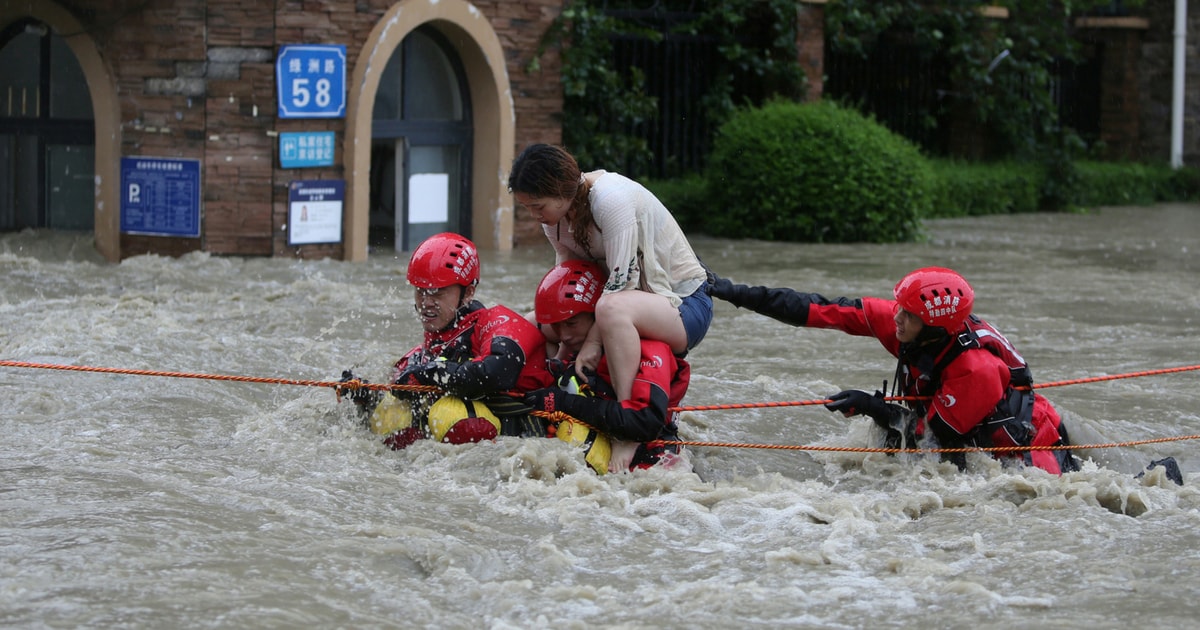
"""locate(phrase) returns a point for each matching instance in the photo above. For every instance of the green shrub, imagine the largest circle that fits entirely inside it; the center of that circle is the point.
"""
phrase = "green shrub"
(1185, 184)
(974, 189)
(814, 172)
(1127, 183)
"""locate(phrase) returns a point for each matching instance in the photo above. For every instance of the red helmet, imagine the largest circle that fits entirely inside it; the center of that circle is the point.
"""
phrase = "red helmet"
(939, 296)
(442, 260)
(568, 289)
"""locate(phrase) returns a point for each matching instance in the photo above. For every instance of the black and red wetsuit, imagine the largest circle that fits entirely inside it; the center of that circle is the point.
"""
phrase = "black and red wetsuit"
(659, 385)
(973, 386)
(489, 354)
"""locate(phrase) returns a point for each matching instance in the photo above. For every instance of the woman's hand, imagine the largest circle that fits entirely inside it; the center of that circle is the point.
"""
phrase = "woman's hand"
(588, 358)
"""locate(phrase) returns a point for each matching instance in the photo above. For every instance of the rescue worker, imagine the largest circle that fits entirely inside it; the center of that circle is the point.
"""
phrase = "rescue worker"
(566, 301)
(483, 358)
(972, 388)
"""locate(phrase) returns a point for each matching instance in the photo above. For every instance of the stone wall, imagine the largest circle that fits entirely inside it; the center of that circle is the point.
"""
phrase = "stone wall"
(810, 46)
(1117, 43)
(537, 93)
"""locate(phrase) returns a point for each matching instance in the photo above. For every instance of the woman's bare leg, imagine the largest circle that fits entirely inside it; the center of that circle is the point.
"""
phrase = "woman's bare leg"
(627, 317)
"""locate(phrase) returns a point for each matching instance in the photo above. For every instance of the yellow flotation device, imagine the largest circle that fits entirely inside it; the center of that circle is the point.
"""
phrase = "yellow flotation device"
(596, 447)
(458, 421)
(390, 415)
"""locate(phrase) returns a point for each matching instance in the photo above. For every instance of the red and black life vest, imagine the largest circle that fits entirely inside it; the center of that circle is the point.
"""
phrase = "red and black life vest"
(1012, 422)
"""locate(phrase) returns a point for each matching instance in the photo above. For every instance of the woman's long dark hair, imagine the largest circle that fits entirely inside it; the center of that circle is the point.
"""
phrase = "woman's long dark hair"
(544, 170)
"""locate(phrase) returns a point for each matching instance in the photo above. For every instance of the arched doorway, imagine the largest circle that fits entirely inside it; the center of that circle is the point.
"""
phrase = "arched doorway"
(47, 132)
(492, 119)
(421, 140)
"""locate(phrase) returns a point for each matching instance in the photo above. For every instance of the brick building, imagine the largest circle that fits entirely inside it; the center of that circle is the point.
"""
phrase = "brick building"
(438, 96)
(432, 88)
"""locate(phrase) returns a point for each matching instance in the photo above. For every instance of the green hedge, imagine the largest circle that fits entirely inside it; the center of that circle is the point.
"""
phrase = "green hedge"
(814, 172)
(1127, 183)
(972, 189)
(968, 189)
(821, 173)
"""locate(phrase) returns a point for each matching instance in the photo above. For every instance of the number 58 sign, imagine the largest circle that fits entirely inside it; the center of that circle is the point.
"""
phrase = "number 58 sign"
(311, 80)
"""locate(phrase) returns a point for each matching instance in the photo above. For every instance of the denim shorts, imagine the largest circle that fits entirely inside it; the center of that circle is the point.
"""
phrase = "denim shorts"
(697, 313)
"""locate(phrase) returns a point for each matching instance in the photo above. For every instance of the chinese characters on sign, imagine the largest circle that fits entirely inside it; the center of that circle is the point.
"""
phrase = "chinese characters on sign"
(160, 196)
(315, 211)
(306, 148)
(311, 81)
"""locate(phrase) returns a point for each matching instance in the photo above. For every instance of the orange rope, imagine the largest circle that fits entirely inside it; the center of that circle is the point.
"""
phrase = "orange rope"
(1076, 381)
(995, 449)
(358, 384)
(338, 385)
(1097, 379)
(558, 416)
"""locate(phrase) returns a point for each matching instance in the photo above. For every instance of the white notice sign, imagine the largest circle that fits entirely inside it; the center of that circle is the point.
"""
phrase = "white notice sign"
(315, 211)
(429, 198)
(315, 222)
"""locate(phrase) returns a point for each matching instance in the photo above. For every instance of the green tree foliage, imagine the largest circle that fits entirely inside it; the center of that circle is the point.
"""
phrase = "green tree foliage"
(601, 107)
(757, 42)
(1010, 186)
(815, 172)
(1003, 68)
(605, 109)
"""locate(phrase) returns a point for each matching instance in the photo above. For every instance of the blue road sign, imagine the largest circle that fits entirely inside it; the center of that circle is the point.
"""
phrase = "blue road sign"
(311, 81)
(305, 148)
(160, 196)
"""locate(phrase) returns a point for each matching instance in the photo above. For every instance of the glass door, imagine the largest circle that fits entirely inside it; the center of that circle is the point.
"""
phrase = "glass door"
(421, 139)
(47, 133)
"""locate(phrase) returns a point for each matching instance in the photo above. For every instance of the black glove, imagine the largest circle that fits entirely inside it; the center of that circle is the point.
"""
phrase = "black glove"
(360, 396)
(722, 289)
(572, 384)
(432, 373)
(544, 399)
(715, 285)
(413, 374)
(558, 367)
(853, 402)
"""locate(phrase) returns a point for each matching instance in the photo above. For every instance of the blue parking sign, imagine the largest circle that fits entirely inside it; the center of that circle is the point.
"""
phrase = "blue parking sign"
(160, 196)
(311, 81)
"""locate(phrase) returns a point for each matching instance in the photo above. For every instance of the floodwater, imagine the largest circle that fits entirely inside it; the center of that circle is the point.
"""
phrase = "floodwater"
(142, 501)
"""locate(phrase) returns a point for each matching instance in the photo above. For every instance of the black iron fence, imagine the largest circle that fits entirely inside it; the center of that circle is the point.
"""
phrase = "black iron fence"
(676, 69)
(904, 89)
(911, 93)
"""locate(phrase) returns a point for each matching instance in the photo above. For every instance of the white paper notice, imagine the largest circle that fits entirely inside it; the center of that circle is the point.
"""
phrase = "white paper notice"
(429, 198)
(315, 222)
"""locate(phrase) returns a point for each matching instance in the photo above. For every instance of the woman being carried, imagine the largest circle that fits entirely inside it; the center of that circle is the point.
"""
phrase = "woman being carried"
(655, 286)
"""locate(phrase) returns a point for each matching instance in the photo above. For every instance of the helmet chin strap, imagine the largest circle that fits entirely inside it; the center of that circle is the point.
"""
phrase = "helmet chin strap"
(464, 307)
(466, 293)
(928, 336)
(921, 352)
(931, 334)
